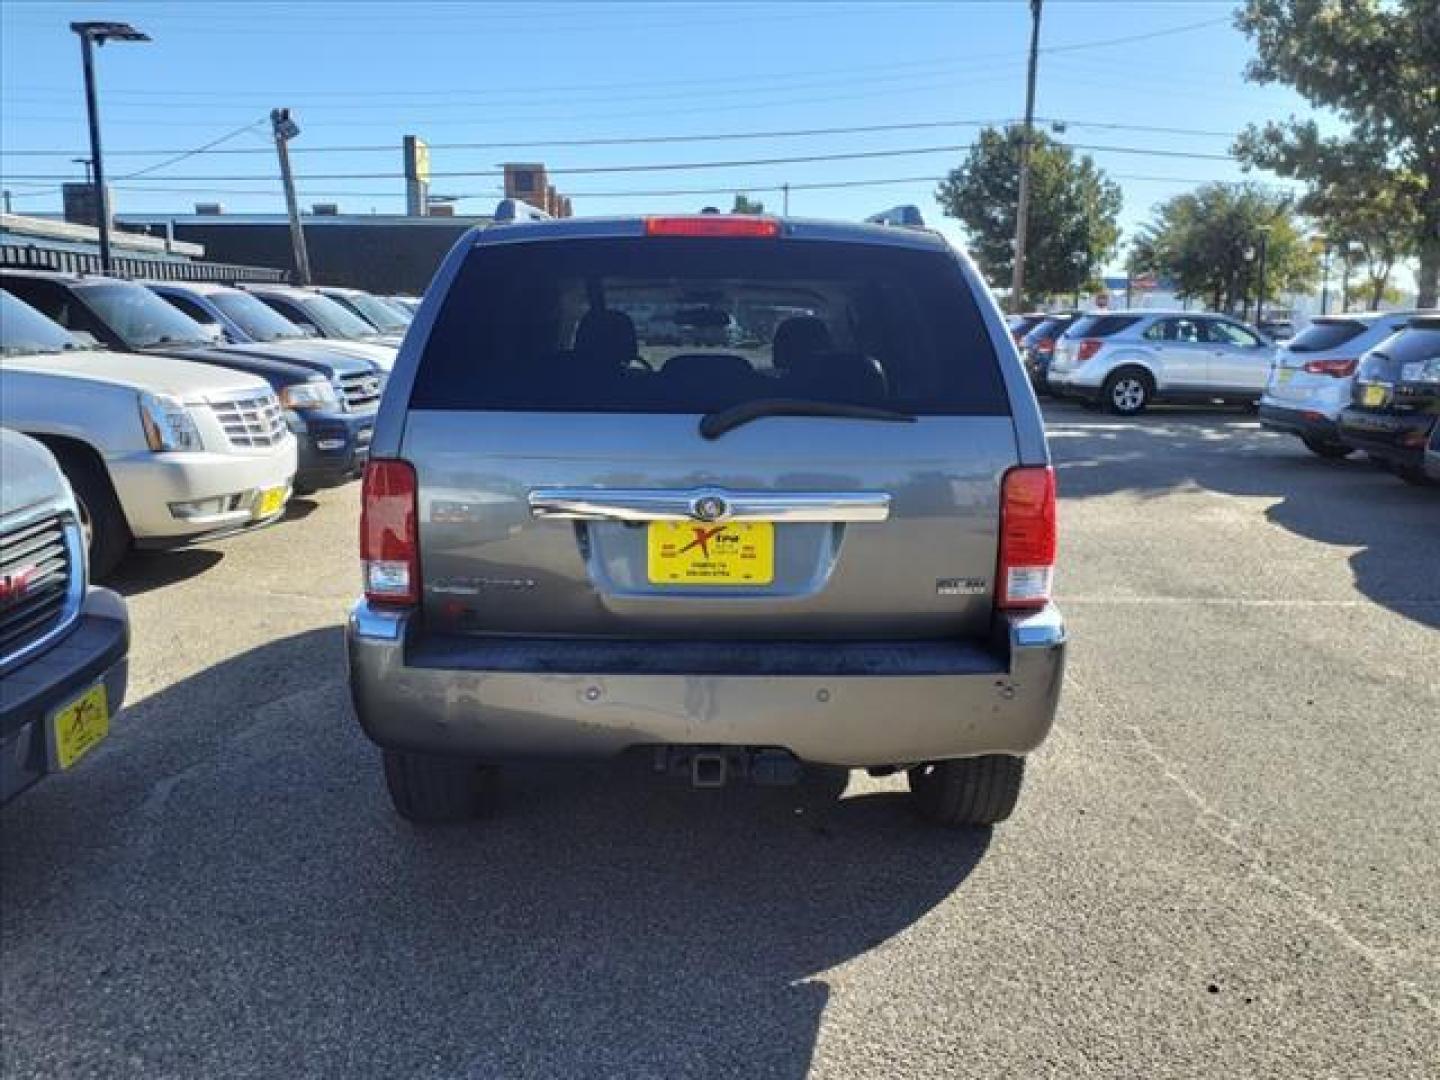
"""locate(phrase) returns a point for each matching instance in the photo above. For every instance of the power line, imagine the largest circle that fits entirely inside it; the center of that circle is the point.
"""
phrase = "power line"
(652, 140)
(674, 166)
(183, 155)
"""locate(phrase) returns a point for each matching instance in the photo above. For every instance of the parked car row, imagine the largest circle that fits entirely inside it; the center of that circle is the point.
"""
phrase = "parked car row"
(1368, 381)
(180, 412)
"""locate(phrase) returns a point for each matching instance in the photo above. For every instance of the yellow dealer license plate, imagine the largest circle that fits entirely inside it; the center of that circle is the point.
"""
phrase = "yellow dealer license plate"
(270, 502)
(1374, 395)
(81, 725)
(696, 553)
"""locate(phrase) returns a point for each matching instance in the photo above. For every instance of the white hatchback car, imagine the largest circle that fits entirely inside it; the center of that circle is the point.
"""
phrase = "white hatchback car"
(1310, 380)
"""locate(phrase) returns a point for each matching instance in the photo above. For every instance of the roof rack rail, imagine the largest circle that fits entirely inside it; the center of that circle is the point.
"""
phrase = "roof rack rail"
(905, 217)
(518, 210)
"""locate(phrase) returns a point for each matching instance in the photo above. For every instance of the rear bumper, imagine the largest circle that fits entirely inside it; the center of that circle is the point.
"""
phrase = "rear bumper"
(94, 651)
(1306, 423)
(847, 704)
(1398, 438)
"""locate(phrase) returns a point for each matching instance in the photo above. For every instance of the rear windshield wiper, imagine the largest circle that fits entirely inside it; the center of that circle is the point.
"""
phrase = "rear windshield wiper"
(715, 424)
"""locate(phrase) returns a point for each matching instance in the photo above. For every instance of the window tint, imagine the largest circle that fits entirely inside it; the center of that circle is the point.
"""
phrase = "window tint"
(1225, 333)
(1412, 346)
(139, 318)
(24, 331)
(259, 322)
(1178, 331)
(1323, 334)
(1046, 328)
(696, 325)
(1097, 326)
(188, 307)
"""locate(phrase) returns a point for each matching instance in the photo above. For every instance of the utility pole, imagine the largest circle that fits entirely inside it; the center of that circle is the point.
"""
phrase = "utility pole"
(7, 200)
(1325, 279)
(1022, 209)
(786, 189)
(286, 129)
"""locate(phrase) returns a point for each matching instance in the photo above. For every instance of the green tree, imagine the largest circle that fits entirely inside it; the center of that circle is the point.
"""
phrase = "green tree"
(1377, 64)
(1371, 221)
(746, 205)
(1074, 211)
(1209, 241)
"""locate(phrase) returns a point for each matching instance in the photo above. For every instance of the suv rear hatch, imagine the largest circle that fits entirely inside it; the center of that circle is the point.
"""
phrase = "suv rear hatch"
(606, 442)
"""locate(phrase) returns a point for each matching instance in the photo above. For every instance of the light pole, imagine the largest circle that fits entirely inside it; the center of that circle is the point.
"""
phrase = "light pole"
(1022, 205)
(1249, 255)
(1325, 250)
(1081, 260)
(1260, 288)
(92, 34)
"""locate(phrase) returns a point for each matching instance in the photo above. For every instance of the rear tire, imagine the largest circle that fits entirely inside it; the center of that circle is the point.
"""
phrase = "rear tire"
(107, 534)
(1332, 450)
(967, 791)
(430, 790)
(1128, 391)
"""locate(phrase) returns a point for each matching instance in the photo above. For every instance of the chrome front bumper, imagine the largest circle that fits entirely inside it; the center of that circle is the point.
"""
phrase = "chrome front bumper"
(853, 704)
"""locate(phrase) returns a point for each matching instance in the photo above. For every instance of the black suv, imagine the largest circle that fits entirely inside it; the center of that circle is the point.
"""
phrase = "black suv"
(1395, 400)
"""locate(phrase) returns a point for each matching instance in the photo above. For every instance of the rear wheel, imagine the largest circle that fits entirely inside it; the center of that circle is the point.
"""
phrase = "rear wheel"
(427, 789)
(1332, 450)
(967, 791)
(107, 535)
(1128, 391)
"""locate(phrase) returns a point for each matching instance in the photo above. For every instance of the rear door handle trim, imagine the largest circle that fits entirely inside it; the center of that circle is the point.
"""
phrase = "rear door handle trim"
(708, 504)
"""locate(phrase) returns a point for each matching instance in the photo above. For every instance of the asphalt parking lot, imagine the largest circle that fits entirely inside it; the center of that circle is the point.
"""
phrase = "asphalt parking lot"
(1225, 863)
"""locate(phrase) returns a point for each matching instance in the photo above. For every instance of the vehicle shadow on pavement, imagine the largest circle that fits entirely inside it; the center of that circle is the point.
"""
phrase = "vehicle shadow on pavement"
(145, 570)
(224, 890)
(1350, 503)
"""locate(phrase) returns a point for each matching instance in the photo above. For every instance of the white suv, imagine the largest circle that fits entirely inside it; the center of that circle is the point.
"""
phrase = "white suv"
(1310, 382)
(159, 451)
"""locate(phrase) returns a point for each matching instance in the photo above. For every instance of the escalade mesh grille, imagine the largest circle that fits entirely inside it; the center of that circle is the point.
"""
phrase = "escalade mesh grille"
(251, 422)
(35, 569)
(362, 392)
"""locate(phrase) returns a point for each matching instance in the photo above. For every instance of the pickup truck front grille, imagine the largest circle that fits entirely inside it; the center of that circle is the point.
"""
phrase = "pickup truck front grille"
(252, 422)
(362, 392)
(35, 570)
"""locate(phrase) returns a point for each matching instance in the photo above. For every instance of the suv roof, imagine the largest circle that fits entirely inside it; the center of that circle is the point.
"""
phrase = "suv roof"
(790, 228)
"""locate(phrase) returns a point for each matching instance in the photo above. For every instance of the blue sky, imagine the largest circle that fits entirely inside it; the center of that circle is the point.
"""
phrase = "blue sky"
(362, 74)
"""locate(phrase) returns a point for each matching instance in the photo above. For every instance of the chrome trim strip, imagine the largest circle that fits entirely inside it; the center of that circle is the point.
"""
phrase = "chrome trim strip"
(601, 504)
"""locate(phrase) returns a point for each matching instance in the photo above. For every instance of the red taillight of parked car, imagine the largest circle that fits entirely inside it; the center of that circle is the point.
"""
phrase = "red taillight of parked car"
(1088, 347)
(1340, 369)
(1027, 537)
(389, 538)
(1045, 346)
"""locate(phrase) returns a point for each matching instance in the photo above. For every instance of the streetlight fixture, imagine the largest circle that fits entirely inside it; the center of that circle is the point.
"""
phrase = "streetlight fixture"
(93, 34)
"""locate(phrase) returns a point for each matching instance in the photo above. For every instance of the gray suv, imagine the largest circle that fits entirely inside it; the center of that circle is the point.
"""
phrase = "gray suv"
(828, 538)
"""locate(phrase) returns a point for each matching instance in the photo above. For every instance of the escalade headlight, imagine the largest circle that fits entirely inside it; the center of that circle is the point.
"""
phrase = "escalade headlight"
(168, 424)
(318, 394)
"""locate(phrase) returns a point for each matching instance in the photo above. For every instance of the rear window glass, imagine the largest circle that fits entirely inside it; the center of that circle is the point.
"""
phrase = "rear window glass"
(697, 325)
(1100, 325)
(1411, 345)
(1049, 328)
(1327, 334)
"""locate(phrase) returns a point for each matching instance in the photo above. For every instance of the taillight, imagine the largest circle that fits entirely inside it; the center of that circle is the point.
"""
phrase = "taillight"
(1088, 348)
(1340, 369)
(389, 536)
(1027, 537)
(1045, 345)
(712, 225)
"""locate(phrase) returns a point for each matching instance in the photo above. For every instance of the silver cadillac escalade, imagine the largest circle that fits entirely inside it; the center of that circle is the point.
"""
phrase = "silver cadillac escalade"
(594, 523)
